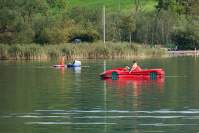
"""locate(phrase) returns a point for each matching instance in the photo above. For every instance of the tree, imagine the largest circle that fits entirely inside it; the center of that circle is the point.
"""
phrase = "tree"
(30, 8)
(178, 6)
(17, 17)
(164, 4)
(59, 4)
(128, 25)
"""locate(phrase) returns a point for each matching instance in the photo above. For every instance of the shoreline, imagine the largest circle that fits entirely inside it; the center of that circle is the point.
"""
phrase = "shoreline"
(88, 51)
(97, 50)
(184, 53)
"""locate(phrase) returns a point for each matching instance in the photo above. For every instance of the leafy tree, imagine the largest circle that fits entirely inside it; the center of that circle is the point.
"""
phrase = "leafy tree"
(128, 26)
(178, 6)
(16, 19)
(186, 40)
(165, 4)
(59, 4)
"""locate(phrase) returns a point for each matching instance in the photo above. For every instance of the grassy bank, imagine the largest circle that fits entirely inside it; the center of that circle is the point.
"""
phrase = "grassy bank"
(80, 51)
(113, 4)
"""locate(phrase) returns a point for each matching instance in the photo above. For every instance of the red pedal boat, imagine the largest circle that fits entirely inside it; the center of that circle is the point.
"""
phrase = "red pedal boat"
(143, 74)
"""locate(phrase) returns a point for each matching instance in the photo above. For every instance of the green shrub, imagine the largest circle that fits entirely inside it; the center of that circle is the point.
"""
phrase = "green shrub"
(84, 35)
(4, 51)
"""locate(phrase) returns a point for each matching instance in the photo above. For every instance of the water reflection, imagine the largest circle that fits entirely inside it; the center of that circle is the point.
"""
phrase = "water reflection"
(76, 69)
(137, 84)
(62, 69)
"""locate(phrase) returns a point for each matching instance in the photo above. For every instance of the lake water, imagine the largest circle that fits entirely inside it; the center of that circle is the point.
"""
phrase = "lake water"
(36, 98)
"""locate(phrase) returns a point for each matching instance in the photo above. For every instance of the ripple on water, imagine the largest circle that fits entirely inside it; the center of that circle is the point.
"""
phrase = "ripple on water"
(96, 117)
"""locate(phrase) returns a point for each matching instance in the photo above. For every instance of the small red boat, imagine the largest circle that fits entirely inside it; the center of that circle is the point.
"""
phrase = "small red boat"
(59, 66)
(143, 74)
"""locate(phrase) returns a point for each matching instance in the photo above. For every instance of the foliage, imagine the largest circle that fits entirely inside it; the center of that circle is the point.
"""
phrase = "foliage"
(186, 33)
(84, 35)
(49, 22)
(187, 38)
(127, 26)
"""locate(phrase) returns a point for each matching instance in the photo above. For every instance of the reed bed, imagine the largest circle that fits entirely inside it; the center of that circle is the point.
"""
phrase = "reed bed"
(80, 51)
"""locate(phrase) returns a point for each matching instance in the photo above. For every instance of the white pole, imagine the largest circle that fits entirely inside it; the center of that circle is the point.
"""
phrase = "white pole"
(105, 101)
(104, 65)
(104, 24)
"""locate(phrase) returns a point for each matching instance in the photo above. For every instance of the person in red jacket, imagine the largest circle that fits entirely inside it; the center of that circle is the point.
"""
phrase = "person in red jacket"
(135, 67)
(61, 62)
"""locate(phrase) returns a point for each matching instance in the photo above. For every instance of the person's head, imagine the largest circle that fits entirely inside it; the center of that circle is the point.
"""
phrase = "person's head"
(134, 62)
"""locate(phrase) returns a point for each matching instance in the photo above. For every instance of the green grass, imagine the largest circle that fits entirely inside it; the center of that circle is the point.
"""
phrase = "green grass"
(146, 5)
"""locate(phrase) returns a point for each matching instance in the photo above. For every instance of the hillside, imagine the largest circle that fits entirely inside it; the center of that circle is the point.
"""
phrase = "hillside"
(151, 22)
(147, 5)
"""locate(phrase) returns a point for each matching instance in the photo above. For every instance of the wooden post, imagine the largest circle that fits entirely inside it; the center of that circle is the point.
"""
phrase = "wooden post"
(195, 52)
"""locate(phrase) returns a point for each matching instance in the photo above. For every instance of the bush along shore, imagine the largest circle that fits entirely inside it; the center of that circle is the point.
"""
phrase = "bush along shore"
(80, 51)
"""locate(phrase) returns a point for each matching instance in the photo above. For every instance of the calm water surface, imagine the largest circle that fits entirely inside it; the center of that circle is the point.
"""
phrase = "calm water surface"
(36, 98)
